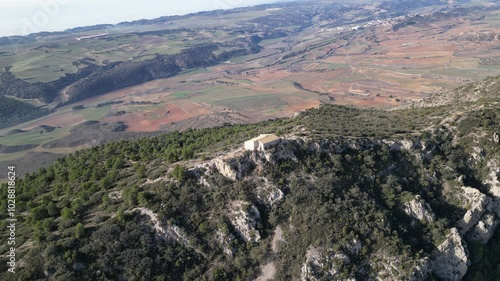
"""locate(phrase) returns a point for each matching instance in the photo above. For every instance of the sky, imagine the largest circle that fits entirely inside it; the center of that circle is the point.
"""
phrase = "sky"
(22, 17)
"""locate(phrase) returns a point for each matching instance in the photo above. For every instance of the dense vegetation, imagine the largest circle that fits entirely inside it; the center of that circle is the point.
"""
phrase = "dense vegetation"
(45, 92)
(14, 112)
(71, 213)
(485, 260)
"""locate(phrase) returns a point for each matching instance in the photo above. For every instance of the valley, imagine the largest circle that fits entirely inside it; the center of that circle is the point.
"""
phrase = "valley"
(249, 65)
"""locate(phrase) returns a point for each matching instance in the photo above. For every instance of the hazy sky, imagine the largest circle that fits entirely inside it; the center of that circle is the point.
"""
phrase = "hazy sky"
(20, 17)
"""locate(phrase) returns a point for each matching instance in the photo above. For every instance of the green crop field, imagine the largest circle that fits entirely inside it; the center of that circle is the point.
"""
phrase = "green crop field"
(95, 114)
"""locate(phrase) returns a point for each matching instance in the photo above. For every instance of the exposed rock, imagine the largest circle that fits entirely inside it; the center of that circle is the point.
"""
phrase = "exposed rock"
(322, 266)
(477, 153)
(285, 151)
(477, 202)
(269, 193)
(418, 209)
(315, 147)
(496, 137)
(149, 181)
(407, 145)
(421, 271)
(245, 217)
(167, 232)
(234, 168)
(275, 196)
(451, 261)
(493, 180)
(484, 229)
(224, 240)
(115, 196)
(388, 268)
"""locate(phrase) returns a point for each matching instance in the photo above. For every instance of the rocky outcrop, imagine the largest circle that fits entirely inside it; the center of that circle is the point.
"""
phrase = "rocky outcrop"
(322, 266)
(407, 145)
(484, 229)
(234, 168)
(267, 192)
(116, 196)
(477, 202)
(451, 260)
(167, 232)
(285, 151)
(224, 239)
(478, 153)
(418, 209)
(388, 267)
(421, 270)
(244, 218)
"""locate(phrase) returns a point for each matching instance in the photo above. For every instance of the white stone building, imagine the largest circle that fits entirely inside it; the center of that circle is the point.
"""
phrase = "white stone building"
(262, 142)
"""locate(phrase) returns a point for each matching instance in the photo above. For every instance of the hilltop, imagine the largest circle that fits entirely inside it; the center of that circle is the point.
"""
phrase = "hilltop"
(349, 194)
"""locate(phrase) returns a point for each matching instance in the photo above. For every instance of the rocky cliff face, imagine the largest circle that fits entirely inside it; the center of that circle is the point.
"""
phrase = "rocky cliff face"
(451, 261)
(245, 218)
(418, 209)
(477, 202)
(323, 264)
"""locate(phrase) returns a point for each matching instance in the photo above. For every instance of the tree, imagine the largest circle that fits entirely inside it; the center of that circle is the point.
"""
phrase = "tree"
(52, 209)
(143, 198)
(130, 194)
(179, 173)
(119, 163)
(67, 214)
(79, 231)
(38, 214)
(141, 172)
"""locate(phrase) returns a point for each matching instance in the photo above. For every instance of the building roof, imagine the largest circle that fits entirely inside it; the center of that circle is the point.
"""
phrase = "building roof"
(268, 138)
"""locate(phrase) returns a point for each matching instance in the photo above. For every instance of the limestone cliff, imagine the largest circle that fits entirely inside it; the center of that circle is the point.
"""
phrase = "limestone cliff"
(451, 261)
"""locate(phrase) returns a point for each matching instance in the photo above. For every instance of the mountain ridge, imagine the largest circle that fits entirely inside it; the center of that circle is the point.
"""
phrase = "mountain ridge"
(348, 195)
